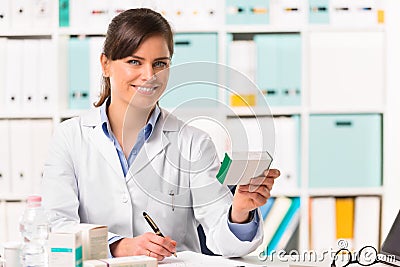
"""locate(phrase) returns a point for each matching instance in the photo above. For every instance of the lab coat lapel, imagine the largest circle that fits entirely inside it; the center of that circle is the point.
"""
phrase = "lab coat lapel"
(105, 146)
(156, 143)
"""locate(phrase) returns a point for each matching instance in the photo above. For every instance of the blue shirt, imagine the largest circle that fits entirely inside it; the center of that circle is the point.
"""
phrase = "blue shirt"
(244, 232)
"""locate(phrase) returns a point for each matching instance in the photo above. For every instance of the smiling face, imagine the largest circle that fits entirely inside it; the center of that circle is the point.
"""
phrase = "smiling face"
(139, 79)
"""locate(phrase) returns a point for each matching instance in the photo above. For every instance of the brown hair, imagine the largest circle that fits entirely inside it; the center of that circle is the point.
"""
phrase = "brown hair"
(126, 33)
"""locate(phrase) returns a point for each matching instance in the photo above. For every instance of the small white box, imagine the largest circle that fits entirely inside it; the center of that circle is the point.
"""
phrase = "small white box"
(65, 248)
(94, 241)
(132, 261)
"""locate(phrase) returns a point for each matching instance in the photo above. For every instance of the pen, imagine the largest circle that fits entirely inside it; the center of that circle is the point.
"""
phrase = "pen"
(154, 226)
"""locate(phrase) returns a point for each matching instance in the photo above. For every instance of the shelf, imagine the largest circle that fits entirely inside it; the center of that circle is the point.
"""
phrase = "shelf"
(26, 115)
(261, 28)
(25, 33)
(83, 32)
(329, 110)
(344, 192)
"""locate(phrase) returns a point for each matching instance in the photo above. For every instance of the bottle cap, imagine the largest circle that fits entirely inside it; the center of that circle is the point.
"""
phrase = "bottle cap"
(33, 199)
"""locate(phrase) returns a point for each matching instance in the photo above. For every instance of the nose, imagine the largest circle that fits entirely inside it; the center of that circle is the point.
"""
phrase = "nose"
(147, 72)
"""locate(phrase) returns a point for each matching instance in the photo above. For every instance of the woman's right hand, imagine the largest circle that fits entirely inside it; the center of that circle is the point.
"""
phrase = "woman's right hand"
(148, 244)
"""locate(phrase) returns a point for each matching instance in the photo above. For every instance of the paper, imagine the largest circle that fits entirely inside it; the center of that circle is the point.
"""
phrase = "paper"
(242, 166)
(188, 258)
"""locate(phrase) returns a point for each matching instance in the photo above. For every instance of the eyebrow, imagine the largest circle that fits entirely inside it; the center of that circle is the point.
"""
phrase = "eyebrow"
(159, 58)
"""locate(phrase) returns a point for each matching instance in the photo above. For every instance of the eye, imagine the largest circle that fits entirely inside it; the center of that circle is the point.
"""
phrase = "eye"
(134, 62)
(160, 65)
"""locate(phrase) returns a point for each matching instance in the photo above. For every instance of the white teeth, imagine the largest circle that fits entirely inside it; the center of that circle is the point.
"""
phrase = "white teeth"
(146, 89)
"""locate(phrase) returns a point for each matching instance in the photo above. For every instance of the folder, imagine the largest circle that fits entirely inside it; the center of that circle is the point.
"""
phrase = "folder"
(96, 48)
(47, 76)
(21, 14)
(3, 225)
(41, 132)
(345, 220)
(287, 227)
(42, 14)
(97, 14)
(318, 12)
(78, 73)
(323, 224)
(63, 13)
(341, 13)
(366, 221)
(272, 222)
(30, 73)
(5, 175)
(3, 67)
(265, 209)
(287, 153)
(5, 15)
(361, 71)
(21, 157)
(14, 211)
(287, 12)
(242, 58)
(13, 74)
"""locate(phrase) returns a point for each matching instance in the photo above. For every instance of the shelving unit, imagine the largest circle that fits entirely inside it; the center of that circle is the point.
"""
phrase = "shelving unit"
(389, 109)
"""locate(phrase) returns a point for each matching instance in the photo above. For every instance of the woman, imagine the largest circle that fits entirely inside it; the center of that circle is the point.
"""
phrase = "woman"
(128, 156)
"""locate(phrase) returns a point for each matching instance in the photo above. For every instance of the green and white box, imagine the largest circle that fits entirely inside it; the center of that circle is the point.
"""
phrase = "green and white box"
(65, 248)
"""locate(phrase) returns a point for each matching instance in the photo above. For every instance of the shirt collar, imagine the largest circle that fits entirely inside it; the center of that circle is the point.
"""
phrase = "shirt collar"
(148, 128)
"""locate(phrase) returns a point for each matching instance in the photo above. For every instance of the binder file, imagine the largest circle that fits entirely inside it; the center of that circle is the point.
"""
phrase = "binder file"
(366, 221)
(287, 227)
(96, 48)
(21, 157)
(357, 58)
(3, 66)
(13, 74)
(3, 225)
(21, 14)
(14, 210)
(247, 12)
(351, 144)
(191, 48)
(288, 12)
(287, 153)
(342, 13)
(345, 220)
(5, 15)
(63, 13)
(318, 12)
(97, 14)
(30, 72)
(5, 175)
(279, 68)
(323, 224)
(47, 75)
(42, 14)
(78, 73)
(242, 58)
(41, 131)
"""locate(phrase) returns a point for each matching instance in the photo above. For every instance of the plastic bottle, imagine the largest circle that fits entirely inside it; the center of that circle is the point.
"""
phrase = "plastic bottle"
(34, 228)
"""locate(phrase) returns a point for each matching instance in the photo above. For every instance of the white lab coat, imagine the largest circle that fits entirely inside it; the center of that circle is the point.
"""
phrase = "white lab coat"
(172, 179)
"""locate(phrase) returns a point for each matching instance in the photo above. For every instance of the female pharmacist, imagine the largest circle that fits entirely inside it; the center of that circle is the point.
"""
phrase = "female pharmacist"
(128, 156)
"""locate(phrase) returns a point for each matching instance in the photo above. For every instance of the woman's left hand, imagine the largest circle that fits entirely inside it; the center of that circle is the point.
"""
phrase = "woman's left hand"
(251, 196)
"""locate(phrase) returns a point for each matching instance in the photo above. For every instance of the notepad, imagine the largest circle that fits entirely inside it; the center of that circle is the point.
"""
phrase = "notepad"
(239, 168)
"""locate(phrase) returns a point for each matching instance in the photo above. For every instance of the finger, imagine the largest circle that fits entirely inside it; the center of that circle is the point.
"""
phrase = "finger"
(273, 173)
(262, 181)
(258, 199)
(263, 190)
(155, 255)
(163, 245)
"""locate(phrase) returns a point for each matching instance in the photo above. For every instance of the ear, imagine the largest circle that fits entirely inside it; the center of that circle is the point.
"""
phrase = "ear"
(105, 65)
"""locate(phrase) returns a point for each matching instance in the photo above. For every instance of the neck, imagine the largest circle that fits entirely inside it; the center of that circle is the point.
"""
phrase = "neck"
(126, 120)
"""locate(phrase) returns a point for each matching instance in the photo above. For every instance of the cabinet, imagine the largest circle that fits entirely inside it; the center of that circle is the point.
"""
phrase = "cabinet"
(315, 62)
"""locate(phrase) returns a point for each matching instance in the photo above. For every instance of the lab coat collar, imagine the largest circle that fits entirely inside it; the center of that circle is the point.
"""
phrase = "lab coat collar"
(154, 145)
